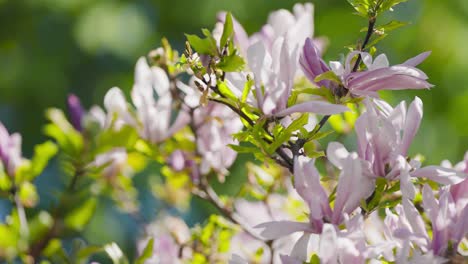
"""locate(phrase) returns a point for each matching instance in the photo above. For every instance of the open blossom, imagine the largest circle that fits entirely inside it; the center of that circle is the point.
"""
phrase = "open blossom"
(407, 229)
(296, 27)
(254, 213)
(215, 125)
(152, 116)
(10, 151)
(272, 59)
(169, 234)
(323, 220)
(384, 135)
(379, 75)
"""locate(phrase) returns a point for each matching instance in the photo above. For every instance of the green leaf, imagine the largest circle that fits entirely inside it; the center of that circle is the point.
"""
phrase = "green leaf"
(362, 7)
(126, 137)
(247, 87)
(203, 45)
(298, 123)
(224, 90)
(231, 63)
(69, 140)
(147, 252)
(28, 194)
(84, 253)
(243, 149)
(376, 40)
(329, 75)
(80, 216)
(389, 4)
(5, 181)
(314, 259)
(42, 154)
(228, 30)
(392, 25)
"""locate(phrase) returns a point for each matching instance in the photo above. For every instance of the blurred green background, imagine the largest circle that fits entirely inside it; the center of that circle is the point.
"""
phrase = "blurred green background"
(49, 48)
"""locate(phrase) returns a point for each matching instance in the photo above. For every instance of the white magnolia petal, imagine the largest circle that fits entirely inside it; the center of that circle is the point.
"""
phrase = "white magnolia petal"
(439, 174)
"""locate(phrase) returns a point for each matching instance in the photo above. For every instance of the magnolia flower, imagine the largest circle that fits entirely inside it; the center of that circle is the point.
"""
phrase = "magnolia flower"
(296, 27)
(215, 125)
(154, 116)
(449, 217)
(116, 114)
(169, 234)
(114, 162)
(255, 213)
(384, 135)
(10, 151)
(276, 74)
(323, 221)
(272, 58)
(449, 227)
(378, 76)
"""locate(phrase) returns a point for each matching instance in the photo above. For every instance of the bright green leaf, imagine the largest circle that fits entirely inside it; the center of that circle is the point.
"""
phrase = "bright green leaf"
(231, 63)
(80, 216)
(329, 75)
(147, 252)
(228, 30)
(202, 45)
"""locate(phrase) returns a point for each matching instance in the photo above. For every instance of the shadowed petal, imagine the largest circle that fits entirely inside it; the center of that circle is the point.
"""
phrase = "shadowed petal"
(317, 107)
(277, 229)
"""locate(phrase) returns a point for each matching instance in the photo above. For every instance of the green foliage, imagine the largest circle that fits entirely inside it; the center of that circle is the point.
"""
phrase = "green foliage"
(372, 8)
(147, 252)
(69, 140)
(329, 75)
(80, 216)
(205, 45)
(228, 30)
(231, 63)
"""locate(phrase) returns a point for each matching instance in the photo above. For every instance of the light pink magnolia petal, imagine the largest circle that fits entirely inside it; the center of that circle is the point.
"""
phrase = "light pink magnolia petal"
(413, 120)
(300, 248)
(183, 118)
(278, 229)
(352, 187)
(358, 79)
(307, 184)
(431, 206)
(396, 82)
(328, 252)
(317, 107)
(439, 174)
(289, 260)
(461, 226)
(414, 218)
(257, 60)
(417, 59)
(337, 154)
(236, 259)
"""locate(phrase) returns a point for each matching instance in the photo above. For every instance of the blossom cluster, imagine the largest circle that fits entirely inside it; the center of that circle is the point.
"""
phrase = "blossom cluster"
(268, 94)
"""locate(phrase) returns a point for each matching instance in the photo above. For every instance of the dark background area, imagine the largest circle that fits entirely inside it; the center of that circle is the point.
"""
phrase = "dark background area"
(49, 48)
